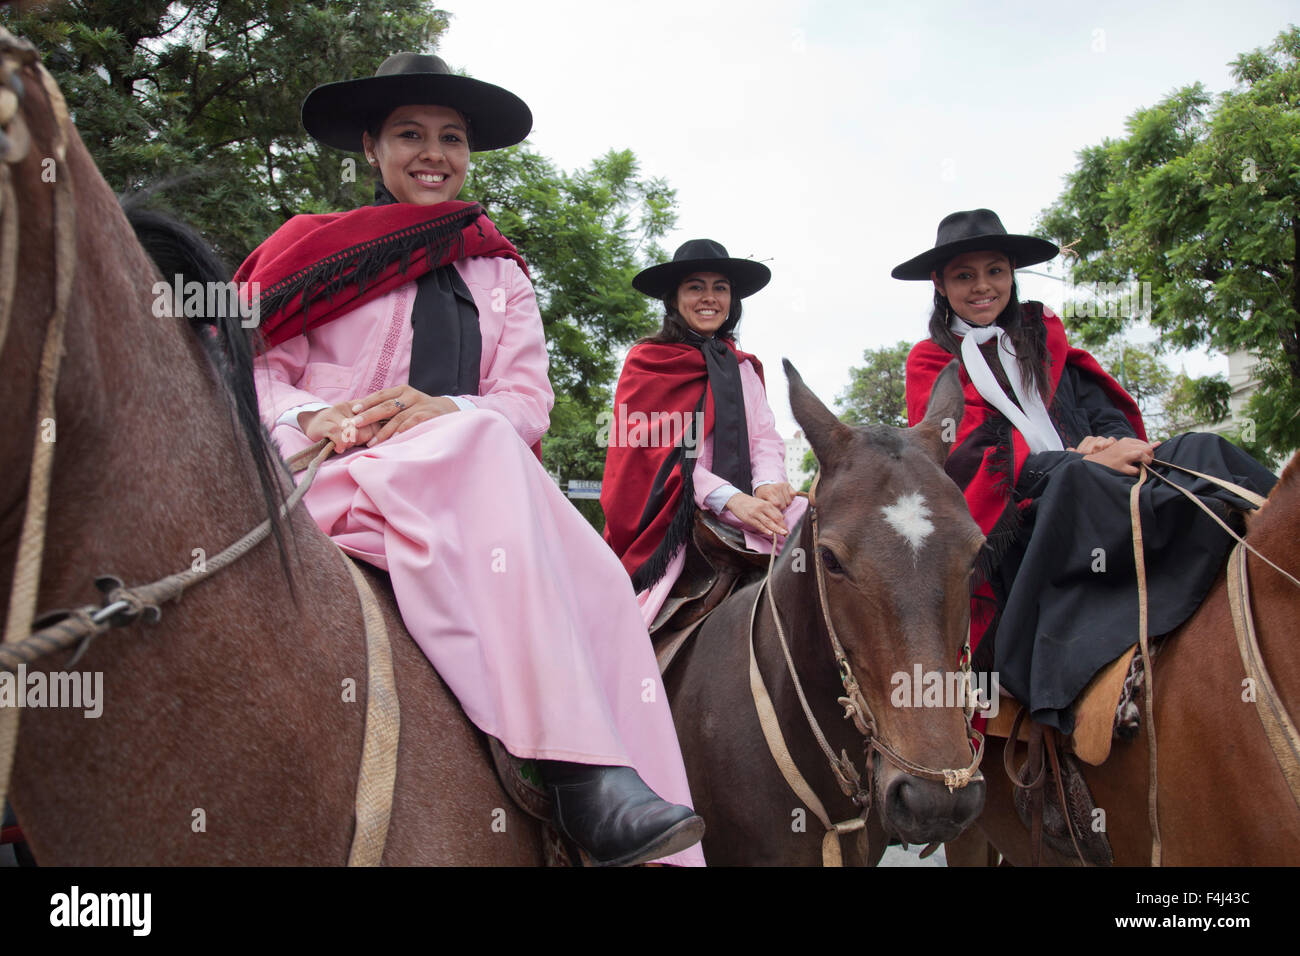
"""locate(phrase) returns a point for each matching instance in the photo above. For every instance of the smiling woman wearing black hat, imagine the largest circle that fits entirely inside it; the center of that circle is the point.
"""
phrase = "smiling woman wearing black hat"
(1046, 454)
(730, 459)
(407, 332)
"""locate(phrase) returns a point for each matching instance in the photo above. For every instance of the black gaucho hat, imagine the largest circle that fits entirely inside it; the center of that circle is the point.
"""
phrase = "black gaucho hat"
(337, 114)
(970, 231)
(702, 255)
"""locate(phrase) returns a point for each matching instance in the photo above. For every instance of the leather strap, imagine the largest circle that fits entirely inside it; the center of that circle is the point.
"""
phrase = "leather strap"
(1149, 697)
(378, 773)
(1281, 731)
(776, 745)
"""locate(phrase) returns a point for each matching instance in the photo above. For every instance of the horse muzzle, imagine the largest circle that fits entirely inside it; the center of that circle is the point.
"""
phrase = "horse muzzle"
(926, 811)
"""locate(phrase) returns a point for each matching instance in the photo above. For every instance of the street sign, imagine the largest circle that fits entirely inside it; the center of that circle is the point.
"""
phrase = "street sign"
(581, 488)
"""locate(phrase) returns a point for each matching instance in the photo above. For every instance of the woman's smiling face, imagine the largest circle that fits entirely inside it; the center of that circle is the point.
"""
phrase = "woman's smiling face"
(977, 285)
(704, 301)
(422, 153)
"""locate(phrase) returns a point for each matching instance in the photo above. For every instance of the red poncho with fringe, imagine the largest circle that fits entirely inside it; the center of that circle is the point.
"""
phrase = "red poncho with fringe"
(316, 268)
(647, 492)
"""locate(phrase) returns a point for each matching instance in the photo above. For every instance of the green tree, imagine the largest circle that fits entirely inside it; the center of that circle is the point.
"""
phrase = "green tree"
(876, 393)
(1202, 200)
(1144, 376)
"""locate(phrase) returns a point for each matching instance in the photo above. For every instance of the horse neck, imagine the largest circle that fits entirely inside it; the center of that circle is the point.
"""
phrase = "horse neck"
(150, 474)
(794, 588)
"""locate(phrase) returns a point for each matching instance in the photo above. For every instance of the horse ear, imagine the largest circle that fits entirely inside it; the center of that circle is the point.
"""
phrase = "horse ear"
(937, 432)
(826, 433)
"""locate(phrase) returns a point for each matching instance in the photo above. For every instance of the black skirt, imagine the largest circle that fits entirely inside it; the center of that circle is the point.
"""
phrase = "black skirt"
(1066, 588)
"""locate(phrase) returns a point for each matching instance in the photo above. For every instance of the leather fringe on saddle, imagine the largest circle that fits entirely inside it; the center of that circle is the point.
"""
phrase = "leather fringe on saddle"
(1053, 800)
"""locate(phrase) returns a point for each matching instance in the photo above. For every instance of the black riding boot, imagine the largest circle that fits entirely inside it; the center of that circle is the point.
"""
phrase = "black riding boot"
(613, 817)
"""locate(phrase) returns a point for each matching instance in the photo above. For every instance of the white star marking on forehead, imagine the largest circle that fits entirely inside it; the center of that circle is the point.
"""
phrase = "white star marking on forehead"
(910, 517)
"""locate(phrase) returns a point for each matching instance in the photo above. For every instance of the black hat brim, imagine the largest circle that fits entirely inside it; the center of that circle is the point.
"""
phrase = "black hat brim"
(1024, 250)
(336, 114)
(661, 281)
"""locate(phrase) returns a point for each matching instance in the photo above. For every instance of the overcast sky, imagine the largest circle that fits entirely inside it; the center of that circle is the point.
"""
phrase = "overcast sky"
(829, 138)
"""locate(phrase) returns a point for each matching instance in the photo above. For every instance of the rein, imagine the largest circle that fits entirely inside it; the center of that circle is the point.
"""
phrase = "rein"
(15, 54)
(855, 706)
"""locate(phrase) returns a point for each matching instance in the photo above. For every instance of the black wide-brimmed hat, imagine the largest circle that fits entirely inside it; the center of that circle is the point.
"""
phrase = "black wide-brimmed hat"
(337, 114)
(702, 255)
(970, 231)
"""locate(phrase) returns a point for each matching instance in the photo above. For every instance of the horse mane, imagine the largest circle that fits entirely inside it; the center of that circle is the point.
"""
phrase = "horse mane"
(177, 249)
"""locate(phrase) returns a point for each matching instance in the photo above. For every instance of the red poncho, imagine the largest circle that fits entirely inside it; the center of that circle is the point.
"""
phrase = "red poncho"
(647, 511)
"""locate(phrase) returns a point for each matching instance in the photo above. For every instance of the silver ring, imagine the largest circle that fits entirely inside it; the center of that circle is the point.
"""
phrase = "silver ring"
(399, 404)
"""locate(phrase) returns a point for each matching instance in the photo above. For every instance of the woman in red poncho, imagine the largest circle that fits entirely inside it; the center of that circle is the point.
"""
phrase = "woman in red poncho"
(692, 426)
(407, 332)
(1046, 452)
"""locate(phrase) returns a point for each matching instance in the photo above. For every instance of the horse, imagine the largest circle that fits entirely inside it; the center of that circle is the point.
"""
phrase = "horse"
(897, 549)
(229, 733)
(1222, 798)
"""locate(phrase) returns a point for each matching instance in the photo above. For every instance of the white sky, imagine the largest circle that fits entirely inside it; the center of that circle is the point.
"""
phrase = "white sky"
(829, 138)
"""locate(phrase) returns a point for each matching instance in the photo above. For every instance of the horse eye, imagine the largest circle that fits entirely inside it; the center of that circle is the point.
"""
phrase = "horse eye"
(830, 561)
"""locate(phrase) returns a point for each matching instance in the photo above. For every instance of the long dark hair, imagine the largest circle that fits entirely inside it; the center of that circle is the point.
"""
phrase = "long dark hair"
(674, 327)
(1024, 327)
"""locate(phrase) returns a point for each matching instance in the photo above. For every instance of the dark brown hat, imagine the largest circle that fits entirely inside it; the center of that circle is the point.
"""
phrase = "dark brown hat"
(702, 255)
(970, 231)
(337, 114)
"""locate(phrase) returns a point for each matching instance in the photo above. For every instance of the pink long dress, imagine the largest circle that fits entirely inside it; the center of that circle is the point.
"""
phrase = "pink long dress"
(510, 593)
(767, 464)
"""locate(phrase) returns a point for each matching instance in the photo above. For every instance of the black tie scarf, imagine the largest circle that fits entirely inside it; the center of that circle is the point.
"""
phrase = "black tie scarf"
(447, 345)
(730, 428)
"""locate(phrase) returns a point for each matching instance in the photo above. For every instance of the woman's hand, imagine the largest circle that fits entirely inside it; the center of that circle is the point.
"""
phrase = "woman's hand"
(373, 418)
(779, 493)
(762, 516)
(393, 410)
(1124, 455)
(336, 424)
(1093, 444)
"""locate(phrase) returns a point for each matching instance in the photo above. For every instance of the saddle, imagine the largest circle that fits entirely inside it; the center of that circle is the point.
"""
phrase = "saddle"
(717, 564)
(1052, 798)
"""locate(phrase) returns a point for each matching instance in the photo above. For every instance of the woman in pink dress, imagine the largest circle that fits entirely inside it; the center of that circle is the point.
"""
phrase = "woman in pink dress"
(693, 428)
(408, 333)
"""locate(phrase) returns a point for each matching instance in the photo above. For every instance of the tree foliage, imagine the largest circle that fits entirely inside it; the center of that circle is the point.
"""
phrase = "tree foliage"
(1202, 200)
(876, 394)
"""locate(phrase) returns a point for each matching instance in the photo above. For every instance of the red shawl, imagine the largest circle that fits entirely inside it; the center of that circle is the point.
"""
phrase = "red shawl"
(988, 491)
(352, 257)
(648, 487)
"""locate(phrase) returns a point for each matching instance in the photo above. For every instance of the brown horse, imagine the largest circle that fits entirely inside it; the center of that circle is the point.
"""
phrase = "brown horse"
(897, 547)
(1222, 799)
(228, 734)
